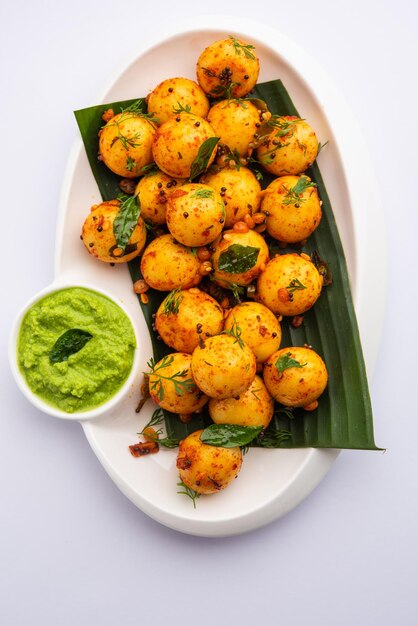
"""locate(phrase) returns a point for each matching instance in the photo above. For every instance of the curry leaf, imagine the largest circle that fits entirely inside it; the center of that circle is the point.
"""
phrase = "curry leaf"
(229, 435)
(126, 220)
(203, 156)
(238, 259)
(69, 343)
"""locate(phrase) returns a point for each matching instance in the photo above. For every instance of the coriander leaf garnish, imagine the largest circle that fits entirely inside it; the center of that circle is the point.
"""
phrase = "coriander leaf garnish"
(293, 195)
(246, 49)
(130, 163)
(190, 493)
(157, 418)
(181, 385)
(233, 159)
(295, 285)
(201, 161)
(70, 342)
(173, 301)
(151, 168)
(126, 219)
(136, 107)
(237, 259)
(229, 435)
(236, 332)
(282, 125)
(202, 193)
(268, 157)
(286, 362)
(181, 109)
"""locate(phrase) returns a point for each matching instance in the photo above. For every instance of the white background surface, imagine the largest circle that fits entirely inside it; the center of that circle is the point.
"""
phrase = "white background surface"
(73, 549)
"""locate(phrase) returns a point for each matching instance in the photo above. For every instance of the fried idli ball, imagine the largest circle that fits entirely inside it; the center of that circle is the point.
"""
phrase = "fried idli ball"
(125, 143)
(99, 239)
(236, 123)
(239, 258)
(253, 407)
(228, 64)
(260, 328)
(239, 189)
(195, 214)
(223, 366)
(204, 468)
(293, 209)
(290, 284)
(177, 142)
(296, 376)
(167, 264)
(172, 387)
(152, 191)
(186, 316)
(290, 148)
(176, 94)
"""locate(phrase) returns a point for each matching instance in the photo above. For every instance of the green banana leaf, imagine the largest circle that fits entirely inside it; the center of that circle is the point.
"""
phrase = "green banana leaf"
(344, 415)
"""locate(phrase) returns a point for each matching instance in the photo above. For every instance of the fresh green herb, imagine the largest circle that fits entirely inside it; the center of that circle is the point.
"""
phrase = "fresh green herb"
(237, 291)
(190, 493)
(229, 435)
(127, 142)
(286, 362)
(282, 125)
(69, 343)
(273, 438)
(126, 220)
(181, 109)
(203, 156)
(295, 285)
(254, 392)
(293, 195)
(321, 146)
(246, 49)
(157, 418)
(236, 332)
(285, 410)
(202, 193)
(173, 301)
(180, 386)
(137, 107)
(130, 163)
(237, 259)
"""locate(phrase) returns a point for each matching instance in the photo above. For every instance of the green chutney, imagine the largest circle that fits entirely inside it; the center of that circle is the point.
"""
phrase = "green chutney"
(89, 377)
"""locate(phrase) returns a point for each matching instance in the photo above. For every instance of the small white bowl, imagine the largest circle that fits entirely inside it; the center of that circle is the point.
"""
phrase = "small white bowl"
(38, 402)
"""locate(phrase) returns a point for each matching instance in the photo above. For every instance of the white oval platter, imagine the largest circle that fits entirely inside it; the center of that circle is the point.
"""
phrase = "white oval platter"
(272, 482)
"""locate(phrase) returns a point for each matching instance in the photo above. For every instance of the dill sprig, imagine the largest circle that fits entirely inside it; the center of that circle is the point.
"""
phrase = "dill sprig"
(190, 493)
(173, 301)
(181, 109)
(181, 384)
(295, 285)
(236, 332)
(246, 49)
(293, 195)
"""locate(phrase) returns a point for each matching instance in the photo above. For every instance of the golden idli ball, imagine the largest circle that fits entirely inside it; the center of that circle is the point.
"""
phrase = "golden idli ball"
(239, 189)
(293, 208)
(253, 407)
(296, 376)
(167, 264)
(260, 328)
(195, 214)
(290, 284)
(125, 143)
(185, 316)
(175, 95)
(239, 257)
(99, 238)
(228, 67)
(290, 148)
(207, 469)
(177, 142)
